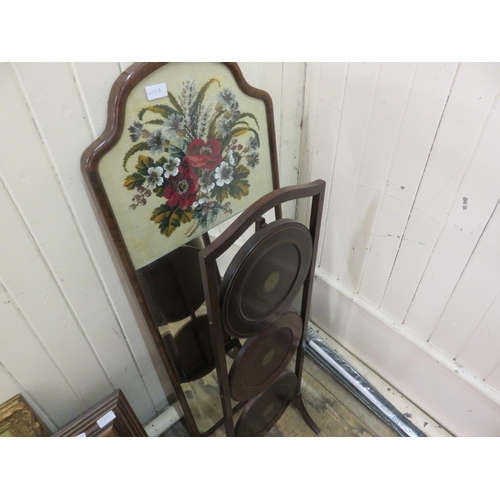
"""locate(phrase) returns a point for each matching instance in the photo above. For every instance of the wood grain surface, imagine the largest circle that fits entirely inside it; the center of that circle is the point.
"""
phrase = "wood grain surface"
(334, 409)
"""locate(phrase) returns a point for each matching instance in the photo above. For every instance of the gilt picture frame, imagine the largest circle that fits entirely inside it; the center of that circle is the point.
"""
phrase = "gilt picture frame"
(17, 419)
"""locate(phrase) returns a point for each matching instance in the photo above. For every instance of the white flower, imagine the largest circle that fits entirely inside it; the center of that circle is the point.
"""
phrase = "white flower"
(171, 167)
(201, 201)
(155, 176)
(223, 174)
(232, 160)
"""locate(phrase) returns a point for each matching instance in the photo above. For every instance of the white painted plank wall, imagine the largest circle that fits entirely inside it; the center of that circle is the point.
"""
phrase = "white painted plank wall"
(71, 331)
(411, 158)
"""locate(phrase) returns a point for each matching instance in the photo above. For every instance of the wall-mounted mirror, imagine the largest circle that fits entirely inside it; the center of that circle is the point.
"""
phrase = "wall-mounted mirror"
(186, 147)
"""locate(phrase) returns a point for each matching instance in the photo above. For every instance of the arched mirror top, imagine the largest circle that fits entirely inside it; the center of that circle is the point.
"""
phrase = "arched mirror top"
(186, 146)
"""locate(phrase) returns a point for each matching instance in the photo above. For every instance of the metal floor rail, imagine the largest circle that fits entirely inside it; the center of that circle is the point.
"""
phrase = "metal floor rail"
(346, 375)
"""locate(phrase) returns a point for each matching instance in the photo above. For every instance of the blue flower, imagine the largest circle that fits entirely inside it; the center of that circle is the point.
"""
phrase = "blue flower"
(156, 141)
(253, 143)
(253, 159)
(228, 98)
(206, 181)
(135, 131)
(175, 125)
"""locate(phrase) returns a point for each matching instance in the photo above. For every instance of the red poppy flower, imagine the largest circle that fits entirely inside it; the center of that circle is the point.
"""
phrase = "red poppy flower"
(203, 154)
(181, 189)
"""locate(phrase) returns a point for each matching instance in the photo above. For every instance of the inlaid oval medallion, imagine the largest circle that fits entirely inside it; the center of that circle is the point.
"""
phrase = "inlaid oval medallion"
(271, 281)
(264, 277)
(264, 357)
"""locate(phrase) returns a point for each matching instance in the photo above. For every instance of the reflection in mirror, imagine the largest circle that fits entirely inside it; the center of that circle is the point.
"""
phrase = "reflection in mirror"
(173, 289)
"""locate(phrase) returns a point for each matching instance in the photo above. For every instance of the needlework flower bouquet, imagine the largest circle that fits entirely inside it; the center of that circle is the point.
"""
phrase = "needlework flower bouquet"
(186, 161)
(195, 157)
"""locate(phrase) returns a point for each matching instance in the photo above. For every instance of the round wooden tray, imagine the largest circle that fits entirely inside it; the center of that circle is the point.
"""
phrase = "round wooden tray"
(264, 357)
(262, 412)
(264, 277)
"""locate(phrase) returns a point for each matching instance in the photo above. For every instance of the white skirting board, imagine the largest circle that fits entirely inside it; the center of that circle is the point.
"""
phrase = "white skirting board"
(164, 420)
(460, 402)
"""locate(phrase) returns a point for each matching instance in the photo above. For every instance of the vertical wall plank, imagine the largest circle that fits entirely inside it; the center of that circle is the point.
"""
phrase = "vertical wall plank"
(24, 357)
(426, 102)
(471, 211)
(8, 386)
(323, 101)
(358, 101)
(478, 286)
(291, 116)
(95, 81)
(473, 92)
(252, 71)
(34, 291)
(391, 94)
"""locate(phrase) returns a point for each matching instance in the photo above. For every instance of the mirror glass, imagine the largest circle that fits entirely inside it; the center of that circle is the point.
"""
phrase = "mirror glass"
(174, 292)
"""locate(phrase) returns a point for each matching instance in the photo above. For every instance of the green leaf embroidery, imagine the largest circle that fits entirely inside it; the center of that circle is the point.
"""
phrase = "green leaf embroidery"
(175, 104)
(155, 122)
(220, 193)
(176, 152)
(237, 132)
(213, 123)
(240, 172)
(134, 180)
(162, 109)
(143, 164)
(250, 115)
(140, 146)
(194, 111)
(169, 219)
(239, 190)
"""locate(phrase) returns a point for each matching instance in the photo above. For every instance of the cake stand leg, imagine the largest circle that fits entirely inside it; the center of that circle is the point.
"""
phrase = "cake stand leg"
(299, 404)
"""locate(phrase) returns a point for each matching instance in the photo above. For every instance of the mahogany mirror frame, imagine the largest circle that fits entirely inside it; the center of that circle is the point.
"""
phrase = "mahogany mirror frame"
(114, 129)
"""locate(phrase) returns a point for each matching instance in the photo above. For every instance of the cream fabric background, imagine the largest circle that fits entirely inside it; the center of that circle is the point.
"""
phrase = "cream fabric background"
(142, 236)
